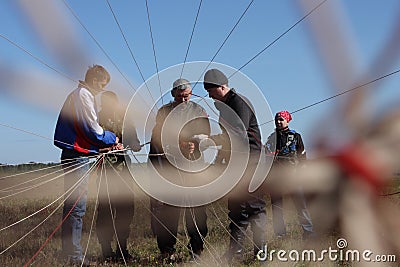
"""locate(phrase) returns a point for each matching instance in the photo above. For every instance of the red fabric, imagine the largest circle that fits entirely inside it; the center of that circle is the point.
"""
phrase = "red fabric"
(284, 114)
(351, 161)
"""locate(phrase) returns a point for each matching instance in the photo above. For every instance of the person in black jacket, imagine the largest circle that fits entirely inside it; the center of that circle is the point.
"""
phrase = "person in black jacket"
(288, 149)
(191, 119)
(238, 124)
(116, 200)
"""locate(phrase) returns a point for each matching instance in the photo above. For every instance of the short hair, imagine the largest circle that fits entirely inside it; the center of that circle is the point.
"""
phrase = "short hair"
(98, 72)
(107, 96)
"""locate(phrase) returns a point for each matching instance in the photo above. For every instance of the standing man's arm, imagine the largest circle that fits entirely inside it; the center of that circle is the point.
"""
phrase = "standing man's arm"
(155, 142)
(86, 109)
(202, 127)
(243, 111)
(270, 144)
(238, 122)
(131, 139)
(301, 151)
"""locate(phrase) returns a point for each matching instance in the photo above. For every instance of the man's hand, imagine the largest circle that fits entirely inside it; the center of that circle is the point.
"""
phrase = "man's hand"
(118, 146)
(136, 147)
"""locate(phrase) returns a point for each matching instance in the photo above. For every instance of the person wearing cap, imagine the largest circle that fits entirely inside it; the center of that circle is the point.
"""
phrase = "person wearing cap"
(79, 135)
(244, 208)
(191, 119)
(288, 149)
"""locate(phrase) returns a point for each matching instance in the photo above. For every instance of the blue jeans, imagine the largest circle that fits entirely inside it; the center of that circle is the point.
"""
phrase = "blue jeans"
(302, 213)
(74, 205)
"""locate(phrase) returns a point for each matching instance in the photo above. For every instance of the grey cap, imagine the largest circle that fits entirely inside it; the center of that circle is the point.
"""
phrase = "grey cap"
(181, 84)
(213, 78)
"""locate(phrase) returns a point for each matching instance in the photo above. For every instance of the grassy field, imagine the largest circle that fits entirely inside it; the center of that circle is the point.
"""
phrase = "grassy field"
(20, 242)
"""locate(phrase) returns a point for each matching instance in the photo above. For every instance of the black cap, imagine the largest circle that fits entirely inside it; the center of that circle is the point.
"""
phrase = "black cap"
(214, 78)
(181, 84)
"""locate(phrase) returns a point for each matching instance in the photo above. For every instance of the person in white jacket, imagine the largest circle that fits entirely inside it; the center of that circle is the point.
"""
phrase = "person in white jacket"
(79, 135)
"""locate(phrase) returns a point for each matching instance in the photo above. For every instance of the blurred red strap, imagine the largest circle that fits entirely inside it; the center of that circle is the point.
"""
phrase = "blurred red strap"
(353, 160)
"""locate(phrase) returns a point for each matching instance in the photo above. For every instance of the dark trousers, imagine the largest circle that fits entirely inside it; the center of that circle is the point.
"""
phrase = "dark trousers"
(303, 215)
(243, 213)
(115, 211)
(246, 209)
(165, 220)
(277, 215)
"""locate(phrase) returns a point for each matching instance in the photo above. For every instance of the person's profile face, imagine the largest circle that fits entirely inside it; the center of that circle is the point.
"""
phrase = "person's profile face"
(99, 84)
(215, 92)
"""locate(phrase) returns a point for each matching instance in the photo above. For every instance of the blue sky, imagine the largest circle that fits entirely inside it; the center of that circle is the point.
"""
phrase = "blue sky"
(290, 73)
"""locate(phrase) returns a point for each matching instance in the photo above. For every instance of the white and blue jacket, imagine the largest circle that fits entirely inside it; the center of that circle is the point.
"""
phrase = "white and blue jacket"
(77, 126)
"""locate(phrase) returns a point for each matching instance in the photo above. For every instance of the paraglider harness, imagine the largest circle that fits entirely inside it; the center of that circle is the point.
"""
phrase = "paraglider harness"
(288, 153)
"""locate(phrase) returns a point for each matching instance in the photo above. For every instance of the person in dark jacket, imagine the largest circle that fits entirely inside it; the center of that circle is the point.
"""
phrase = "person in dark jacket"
(116, 199)
(288, 149)
(191, 119)
(238, 122)
(79, 135)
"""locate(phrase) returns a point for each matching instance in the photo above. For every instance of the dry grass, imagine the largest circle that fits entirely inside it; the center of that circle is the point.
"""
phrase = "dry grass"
(142, 245)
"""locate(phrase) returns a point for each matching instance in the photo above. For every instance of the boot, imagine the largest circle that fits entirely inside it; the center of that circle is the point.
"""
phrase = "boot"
(235, 251)
(123, 254)
(107, 253)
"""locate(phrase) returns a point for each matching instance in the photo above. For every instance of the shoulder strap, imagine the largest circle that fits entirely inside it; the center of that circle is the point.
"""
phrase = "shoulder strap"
(291, 140)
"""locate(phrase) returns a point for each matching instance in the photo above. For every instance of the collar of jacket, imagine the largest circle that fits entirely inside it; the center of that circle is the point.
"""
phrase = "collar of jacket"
(284, 130)
(230, 95)
(174, 104)
(83, 84)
